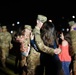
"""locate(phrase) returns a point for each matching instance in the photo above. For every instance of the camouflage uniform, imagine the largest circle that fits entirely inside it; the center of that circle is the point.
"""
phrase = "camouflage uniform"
(72, 24)
(34, 56)
(25, 48)
(5, 44)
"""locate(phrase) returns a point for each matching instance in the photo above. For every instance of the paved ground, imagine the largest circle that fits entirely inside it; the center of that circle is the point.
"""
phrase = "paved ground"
(9, 70)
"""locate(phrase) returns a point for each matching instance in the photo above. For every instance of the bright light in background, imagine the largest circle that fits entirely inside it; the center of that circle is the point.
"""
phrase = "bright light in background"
(18, 22)
(13, 24)
(63, 29)
(11, 31)
(73, 16)
(67, 29)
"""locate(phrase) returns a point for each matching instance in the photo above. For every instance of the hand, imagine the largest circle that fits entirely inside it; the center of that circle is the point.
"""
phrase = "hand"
(57, 50)
(32, 36)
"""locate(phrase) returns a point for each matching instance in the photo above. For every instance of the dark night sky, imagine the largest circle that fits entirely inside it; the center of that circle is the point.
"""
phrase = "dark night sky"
(26, 11)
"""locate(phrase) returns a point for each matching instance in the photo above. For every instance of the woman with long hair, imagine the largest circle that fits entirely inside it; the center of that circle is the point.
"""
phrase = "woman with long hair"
(66, 48)
(51, 64)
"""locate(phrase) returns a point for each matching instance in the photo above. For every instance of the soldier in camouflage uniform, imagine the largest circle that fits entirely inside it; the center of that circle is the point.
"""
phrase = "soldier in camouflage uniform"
(0, 29)
(34, 56)
(24, 40)
(72, 25)
(5, 44)
(0, 50)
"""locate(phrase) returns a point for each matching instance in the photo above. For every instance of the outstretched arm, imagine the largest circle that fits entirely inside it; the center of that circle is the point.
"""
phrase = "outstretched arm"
(41, 45)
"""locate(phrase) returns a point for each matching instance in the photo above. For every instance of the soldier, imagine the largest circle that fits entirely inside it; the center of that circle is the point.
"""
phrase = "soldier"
(0, 29)
(72, 25)
(24, 40)
(5, 44)
(34, 56)
(0, 33)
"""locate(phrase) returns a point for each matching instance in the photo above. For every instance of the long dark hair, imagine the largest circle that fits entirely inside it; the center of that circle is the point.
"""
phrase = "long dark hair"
(48, 33)
(67, 37)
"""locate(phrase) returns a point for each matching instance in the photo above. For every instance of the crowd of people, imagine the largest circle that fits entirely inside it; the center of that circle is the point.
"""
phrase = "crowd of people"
(40, 50)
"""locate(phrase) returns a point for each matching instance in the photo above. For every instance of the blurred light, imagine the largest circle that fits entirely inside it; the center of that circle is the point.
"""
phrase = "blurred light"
(18, 22)
(13, 24)
(67, 29)
(11, 31)
(73, 16)
(63, 29)
(50, 20)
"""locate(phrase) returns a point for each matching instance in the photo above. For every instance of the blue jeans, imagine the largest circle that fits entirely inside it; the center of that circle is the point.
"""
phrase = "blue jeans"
(65, 66)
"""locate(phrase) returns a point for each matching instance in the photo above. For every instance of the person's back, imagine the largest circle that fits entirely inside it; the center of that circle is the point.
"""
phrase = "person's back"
(51, 63)
(34, 56)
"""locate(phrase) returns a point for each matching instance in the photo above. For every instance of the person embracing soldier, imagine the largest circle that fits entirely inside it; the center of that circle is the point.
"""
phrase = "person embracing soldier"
(33, 59)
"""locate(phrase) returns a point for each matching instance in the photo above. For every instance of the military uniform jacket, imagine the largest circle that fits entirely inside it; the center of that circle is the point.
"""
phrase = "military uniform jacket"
(39, 42)
(5, 40)
(73, 38)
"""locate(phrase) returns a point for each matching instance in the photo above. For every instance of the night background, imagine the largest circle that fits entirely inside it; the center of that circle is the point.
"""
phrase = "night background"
(25, 12)
(14, 14)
